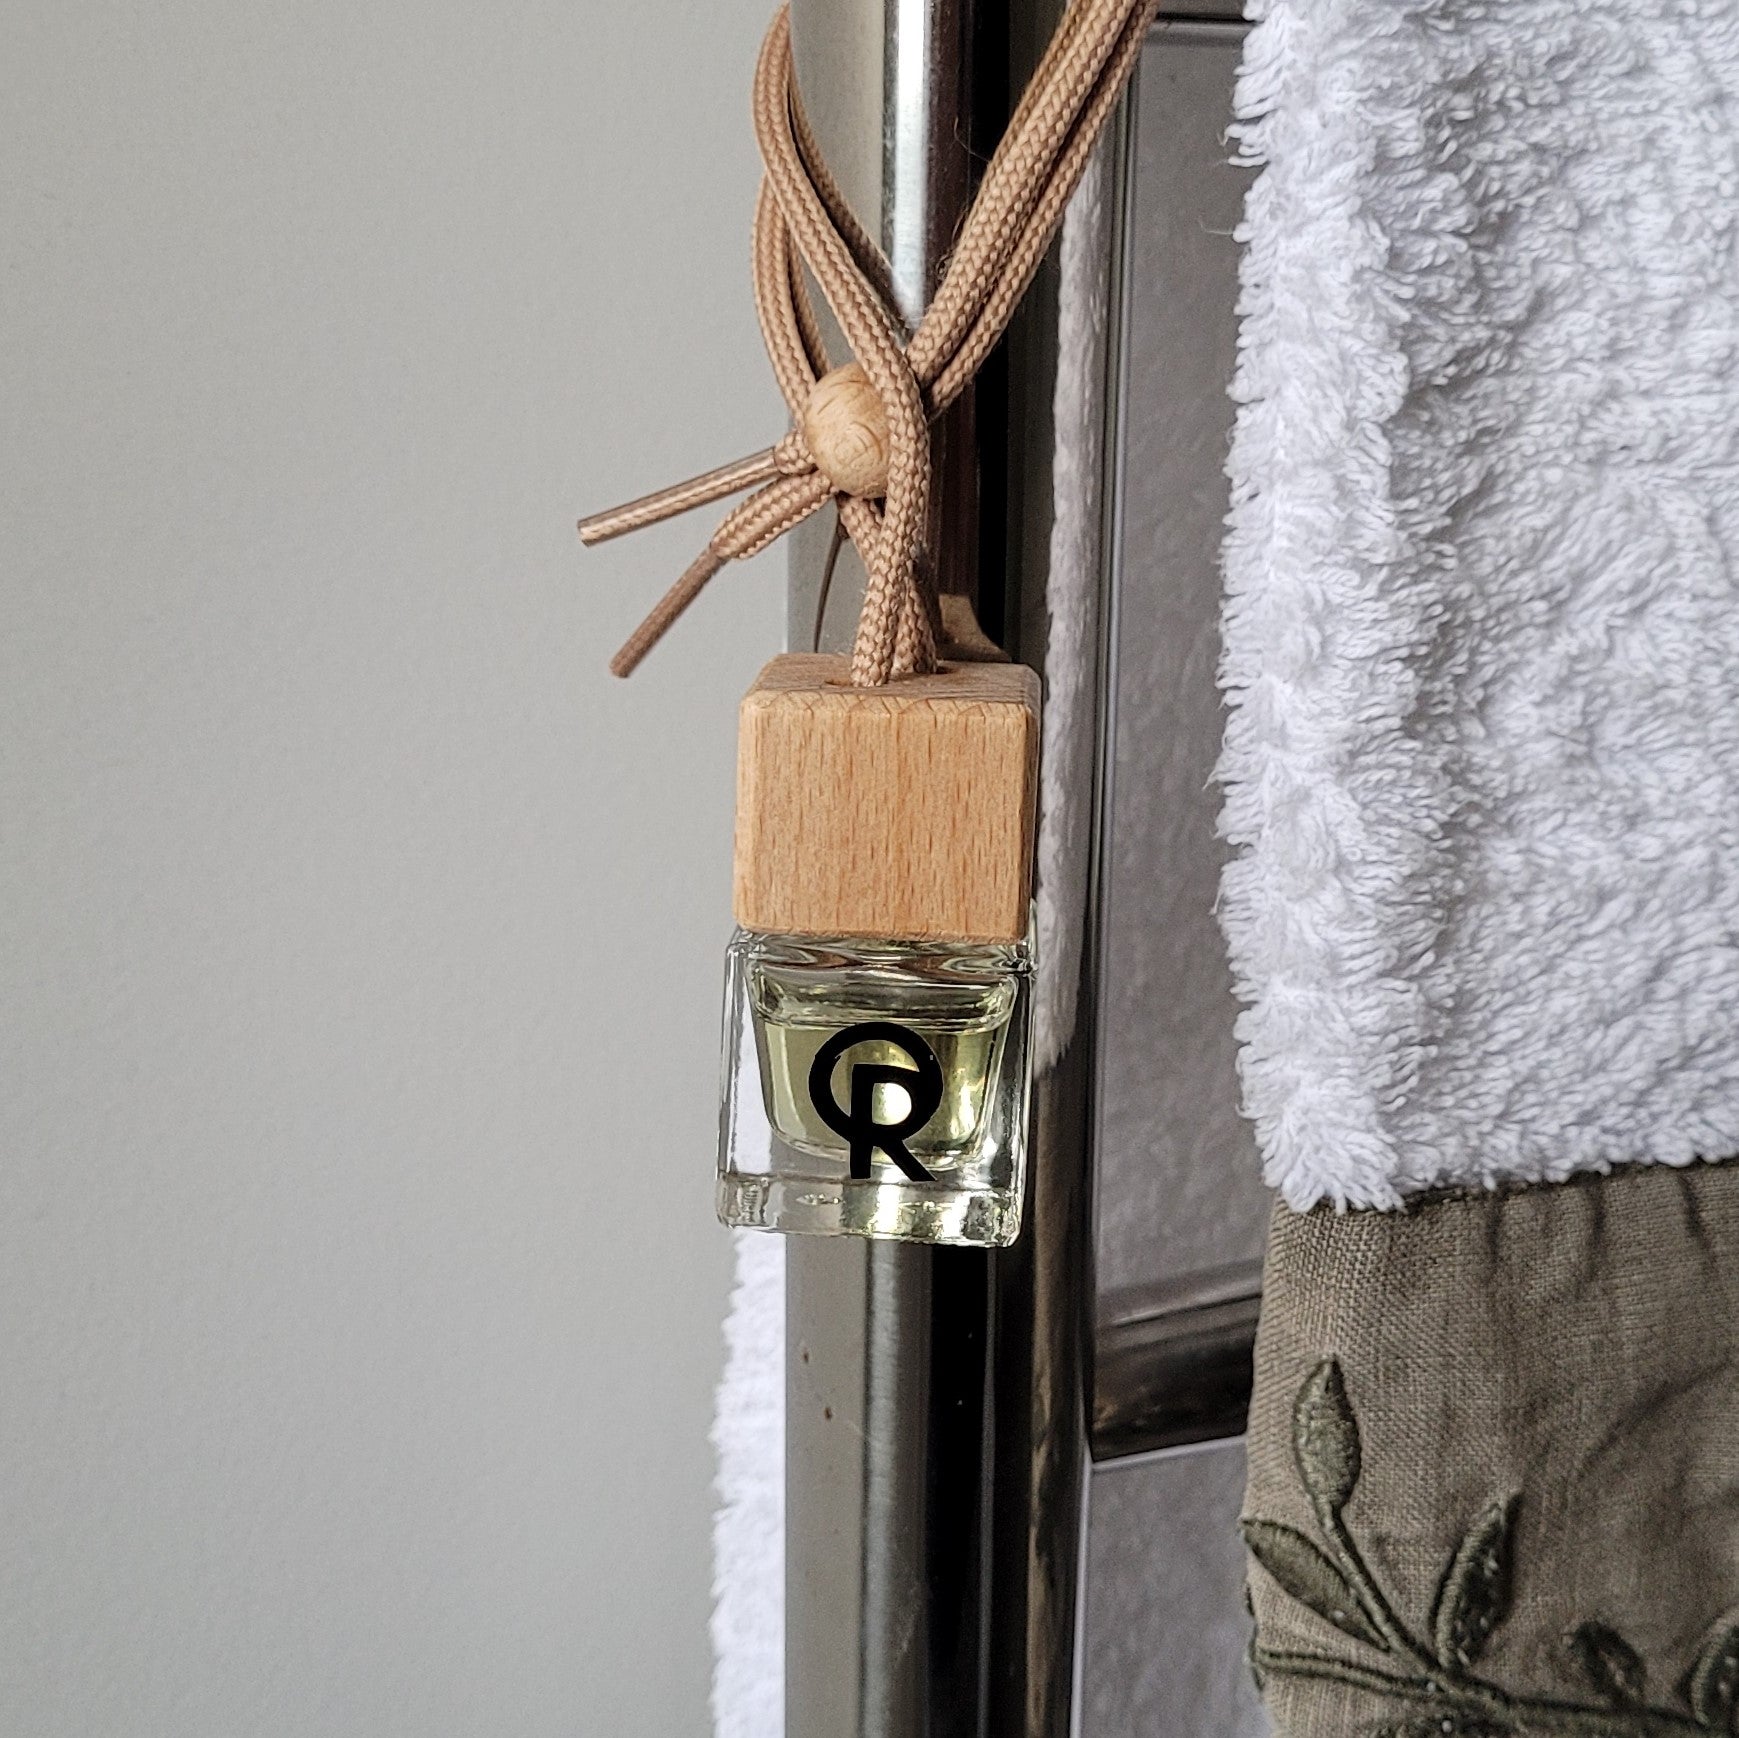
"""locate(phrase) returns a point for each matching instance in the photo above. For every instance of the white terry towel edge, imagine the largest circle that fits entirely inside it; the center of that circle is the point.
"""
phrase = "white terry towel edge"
(1481, 624)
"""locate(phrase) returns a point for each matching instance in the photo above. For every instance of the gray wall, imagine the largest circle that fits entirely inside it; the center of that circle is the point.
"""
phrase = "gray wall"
(359, 938)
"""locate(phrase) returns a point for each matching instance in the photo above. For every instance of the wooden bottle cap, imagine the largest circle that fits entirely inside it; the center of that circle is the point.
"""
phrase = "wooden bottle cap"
(903, 812)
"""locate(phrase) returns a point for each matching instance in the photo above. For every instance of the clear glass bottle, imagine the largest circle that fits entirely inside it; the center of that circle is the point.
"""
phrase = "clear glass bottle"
(875, 1088)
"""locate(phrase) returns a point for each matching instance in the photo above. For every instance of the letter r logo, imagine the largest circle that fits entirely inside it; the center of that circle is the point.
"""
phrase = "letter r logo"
(857, 1125)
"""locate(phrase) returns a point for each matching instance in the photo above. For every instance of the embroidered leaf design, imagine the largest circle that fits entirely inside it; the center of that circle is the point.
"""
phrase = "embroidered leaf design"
(1611, 1666)
(1304, 1572)
(1475, 1595)
(1325, 1437)
(1713, 1690)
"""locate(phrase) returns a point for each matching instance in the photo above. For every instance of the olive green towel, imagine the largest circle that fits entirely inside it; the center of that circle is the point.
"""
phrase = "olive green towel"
(1494, 1462)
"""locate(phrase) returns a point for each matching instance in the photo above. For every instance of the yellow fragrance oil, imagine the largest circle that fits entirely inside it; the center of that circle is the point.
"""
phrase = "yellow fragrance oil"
(843, 1007)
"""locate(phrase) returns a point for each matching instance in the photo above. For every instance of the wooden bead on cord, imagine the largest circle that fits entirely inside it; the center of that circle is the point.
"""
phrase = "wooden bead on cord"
(846, 431)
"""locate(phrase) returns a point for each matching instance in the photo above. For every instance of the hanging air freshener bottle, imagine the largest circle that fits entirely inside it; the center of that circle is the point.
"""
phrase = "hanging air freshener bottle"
(878, 1003)
(877, 1012)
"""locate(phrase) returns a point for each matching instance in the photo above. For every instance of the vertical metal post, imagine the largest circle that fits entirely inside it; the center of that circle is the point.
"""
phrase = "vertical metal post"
(935, 1416)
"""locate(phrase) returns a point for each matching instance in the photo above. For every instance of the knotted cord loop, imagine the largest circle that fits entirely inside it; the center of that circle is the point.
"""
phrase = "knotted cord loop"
(861, 434)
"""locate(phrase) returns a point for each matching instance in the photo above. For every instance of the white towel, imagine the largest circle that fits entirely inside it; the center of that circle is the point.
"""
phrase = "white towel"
(748, 1625)
(1481, 634)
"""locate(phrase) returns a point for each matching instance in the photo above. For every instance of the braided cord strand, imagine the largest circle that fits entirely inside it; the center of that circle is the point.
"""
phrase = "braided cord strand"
(804, 231)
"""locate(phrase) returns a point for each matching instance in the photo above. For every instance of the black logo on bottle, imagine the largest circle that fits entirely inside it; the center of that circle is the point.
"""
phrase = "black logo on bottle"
(922, 1084)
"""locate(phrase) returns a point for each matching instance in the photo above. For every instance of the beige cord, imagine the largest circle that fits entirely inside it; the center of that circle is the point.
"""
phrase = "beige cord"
(862, 434)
